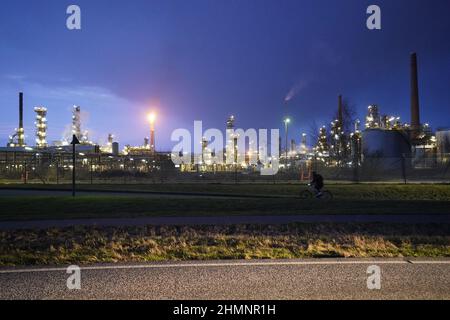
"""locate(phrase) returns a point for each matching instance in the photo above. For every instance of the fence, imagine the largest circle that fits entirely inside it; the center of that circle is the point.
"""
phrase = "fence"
(108, 170)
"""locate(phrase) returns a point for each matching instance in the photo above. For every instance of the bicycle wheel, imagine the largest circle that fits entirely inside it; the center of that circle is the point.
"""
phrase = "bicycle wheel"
(306, 194)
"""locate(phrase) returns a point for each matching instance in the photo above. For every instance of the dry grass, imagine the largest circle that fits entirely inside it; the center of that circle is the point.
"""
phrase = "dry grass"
(93, 245)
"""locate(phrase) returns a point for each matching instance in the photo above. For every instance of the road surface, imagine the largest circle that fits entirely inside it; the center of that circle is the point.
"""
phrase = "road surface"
(30, 192)
(275, 279)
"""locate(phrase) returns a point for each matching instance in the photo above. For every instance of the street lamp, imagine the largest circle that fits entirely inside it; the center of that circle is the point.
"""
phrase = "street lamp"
(286, 126)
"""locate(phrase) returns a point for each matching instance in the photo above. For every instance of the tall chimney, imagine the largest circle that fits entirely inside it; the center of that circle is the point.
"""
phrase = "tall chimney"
(152, 137)
(20, 110)
(340, 111)
(415, 112)
(20, 131)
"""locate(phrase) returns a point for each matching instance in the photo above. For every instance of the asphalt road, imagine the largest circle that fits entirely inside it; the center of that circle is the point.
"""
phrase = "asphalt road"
(17, 192)
(64, 193)
(289, 279)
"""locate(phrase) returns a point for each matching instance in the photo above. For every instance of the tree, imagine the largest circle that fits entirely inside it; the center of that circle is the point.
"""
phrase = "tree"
(313, 131)
(348, 115)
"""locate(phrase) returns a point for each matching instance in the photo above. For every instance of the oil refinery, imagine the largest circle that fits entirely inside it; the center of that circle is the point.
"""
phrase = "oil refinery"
(384, 141)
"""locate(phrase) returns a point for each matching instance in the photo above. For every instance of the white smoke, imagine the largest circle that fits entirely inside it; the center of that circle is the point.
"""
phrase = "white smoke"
(84, 118)
(295, 90)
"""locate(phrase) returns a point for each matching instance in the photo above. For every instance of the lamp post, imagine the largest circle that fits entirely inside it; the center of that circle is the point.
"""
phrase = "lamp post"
(74, 142)
(286, 127)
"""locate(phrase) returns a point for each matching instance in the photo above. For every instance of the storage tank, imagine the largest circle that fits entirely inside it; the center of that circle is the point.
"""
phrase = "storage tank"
(443, 145)
(388, 147)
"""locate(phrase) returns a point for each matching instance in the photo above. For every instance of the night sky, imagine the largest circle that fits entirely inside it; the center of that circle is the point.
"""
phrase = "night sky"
(207, 59)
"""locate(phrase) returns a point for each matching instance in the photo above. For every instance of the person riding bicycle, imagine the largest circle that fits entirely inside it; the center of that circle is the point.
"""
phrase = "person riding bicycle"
(317, 183)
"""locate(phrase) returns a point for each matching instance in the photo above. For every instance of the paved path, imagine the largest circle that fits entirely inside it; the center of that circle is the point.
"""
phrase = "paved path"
(225, 220)
(66, 193)
(289, 279)
(16, 192)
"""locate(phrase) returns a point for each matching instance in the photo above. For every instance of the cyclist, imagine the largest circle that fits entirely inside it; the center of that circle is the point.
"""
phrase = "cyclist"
(317, 183)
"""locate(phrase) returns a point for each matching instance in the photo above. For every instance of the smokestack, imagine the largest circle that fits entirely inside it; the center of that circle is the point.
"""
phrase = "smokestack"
(20, 110)
(152, 138)
(340, 111)
(20, 130)
(415, 112)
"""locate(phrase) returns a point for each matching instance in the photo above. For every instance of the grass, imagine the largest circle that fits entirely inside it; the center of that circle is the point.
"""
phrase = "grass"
(81, 245)
(340, 191)
(348, 199)
(84, 245)
(60, 207)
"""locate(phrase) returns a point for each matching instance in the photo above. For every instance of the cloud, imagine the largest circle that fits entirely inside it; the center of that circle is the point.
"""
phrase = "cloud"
(96, 103)
(80, 95)
(14, 77)
(63, 90)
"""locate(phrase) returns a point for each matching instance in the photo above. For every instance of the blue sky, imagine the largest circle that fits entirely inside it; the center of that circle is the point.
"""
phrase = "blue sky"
(207, 59)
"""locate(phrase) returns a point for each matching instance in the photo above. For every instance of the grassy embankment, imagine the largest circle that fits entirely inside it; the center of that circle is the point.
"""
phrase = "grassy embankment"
(91, 245)
(84, 245)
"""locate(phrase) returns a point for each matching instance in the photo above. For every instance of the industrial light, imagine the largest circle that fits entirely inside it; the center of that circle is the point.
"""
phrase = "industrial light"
(151, 117)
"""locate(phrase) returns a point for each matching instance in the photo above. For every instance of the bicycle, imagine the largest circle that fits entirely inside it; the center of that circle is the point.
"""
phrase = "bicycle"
(311, 193)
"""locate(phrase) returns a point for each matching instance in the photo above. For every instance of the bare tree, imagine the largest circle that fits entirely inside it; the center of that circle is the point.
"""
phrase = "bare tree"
(348, 115)
(313, 132)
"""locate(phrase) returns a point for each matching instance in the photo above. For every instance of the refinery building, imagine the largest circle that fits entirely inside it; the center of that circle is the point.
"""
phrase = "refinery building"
(382, 141)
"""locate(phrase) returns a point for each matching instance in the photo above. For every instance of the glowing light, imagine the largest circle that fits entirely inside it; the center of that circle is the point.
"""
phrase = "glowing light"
(151, 117)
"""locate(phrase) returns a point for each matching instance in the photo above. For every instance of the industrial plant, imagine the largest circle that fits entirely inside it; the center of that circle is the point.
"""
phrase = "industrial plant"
(44, 160)
(384, 142)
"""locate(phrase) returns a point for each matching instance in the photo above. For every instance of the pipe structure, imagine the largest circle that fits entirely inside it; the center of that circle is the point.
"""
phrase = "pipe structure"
(41, 127)
(152, 136)
(415, 112)
(20, 109)
(152, 118)
(20, 130)
(340, 112)
(76, 122)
